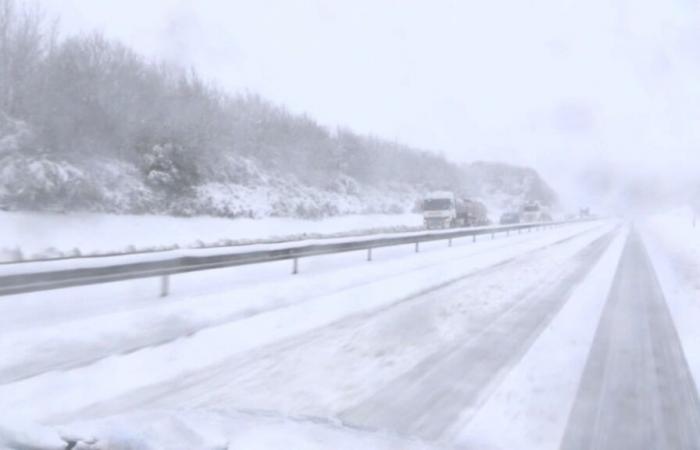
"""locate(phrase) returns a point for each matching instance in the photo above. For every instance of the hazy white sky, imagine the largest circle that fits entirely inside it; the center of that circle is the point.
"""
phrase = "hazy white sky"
(583, 91)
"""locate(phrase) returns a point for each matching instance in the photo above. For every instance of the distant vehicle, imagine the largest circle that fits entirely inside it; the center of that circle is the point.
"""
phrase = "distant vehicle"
(584, 213)
(439, 209)
(531, 212)
(471, 213)
(570, 217)
(545, 217)
(509, 218)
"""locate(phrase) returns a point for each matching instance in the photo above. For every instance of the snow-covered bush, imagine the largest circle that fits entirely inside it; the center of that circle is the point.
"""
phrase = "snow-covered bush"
(43, 184)
(170, 169)
(15, 136)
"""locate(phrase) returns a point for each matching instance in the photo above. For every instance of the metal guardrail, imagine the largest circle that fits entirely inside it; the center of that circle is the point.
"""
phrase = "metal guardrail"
(46, 280)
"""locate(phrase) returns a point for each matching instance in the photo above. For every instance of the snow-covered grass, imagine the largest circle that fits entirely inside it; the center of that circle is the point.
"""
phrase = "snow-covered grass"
(530, 408)
(674, 246)
(28, 236)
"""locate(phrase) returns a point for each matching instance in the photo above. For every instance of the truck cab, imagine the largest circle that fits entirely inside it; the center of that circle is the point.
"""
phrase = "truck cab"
(439, 210)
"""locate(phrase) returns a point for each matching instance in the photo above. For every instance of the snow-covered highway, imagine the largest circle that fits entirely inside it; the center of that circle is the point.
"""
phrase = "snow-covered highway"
(429, 398)
(543, 340)
(69, 327)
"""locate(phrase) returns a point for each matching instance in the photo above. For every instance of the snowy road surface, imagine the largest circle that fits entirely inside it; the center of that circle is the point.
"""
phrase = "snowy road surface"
(562, 338)
(430, 397)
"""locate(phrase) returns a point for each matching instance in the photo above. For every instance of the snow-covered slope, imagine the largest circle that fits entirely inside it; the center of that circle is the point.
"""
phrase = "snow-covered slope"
(39, 182)
(234, 185)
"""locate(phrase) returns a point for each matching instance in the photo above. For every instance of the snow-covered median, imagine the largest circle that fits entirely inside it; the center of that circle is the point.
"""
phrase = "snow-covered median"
(28, 236)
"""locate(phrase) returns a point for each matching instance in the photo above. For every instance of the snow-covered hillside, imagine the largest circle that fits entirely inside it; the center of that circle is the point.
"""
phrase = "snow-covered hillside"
(34, 180)
(235, 186)
(504, 187)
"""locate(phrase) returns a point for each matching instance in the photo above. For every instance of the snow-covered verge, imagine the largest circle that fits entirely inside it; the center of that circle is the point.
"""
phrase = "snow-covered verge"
(200, 430)
(31, 236)
(530, 408)
(673, 243)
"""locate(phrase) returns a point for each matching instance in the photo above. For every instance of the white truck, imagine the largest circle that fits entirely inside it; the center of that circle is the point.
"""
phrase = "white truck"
(439, 209)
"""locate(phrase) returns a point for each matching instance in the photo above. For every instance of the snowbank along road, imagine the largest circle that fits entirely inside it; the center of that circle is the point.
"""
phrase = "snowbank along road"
(561, 339)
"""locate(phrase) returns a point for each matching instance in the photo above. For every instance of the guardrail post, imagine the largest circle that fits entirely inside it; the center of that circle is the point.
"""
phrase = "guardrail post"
(449, 242)
(369, 254)
(473, 237)
(417, 247)
(164, 285)
(493, 236)
(508, 232)
(295, 266)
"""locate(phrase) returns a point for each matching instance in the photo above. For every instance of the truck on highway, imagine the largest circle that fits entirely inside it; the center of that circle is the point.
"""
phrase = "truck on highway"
(530, 212)
(439, 209)
(442, 209)
(510, 218)
(534, 212)
(471, 213)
